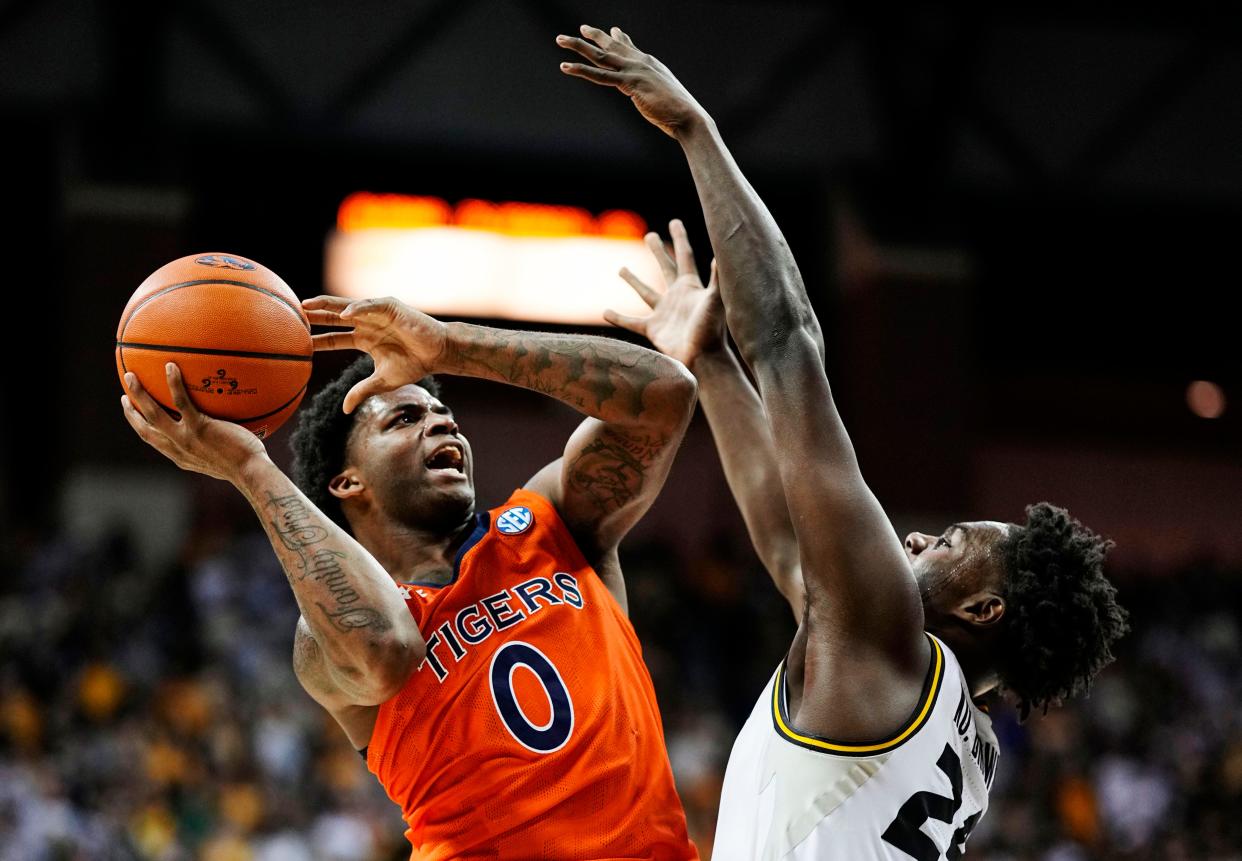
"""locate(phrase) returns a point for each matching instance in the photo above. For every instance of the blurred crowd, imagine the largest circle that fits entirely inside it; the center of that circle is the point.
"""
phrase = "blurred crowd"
(154, 714)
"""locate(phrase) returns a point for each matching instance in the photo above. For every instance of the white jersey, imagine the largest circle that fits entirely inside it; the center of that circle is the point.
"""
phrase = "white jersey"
(795, 797)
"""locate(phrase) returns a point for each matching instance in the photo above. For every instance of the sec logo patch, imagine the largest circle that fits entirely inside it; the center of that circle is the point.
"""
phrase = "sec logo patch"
(515, 520)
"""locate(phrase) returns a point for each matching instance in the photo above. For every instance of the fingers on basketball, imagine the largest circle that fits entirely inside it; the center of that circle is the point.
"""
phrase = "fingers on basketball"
(334, 341)
(153, 414)
(324, 317)
(380, 312)
(176, 388)
(325, 302)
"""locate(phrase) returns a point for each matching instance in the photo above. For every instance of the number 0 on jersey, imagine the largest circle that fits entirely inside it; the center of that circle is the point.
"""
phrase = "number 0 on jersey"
(552, 735)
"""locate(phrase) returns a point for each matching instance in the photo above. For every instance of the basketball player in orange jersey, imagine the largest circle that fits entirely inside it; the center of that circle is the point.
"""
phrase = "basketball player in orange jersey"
(481, 661)
(868, 741)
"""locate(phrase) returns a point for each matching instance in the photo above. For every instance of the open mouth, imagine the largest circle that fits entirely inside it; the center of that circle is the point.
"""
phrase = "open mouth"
(448, 456)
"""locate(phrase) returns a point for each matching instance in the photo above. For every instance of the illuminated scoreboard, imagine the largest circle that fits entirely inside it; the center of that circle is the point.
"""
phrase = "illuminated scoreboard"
(475, 258)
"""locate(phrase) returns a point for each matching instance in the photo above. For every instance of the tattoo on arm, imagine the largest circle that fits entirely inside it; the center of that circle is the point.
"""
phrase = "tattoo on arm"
(610, 470)
(599, 376)
(294, 524)
(307, 656)
(640, 400)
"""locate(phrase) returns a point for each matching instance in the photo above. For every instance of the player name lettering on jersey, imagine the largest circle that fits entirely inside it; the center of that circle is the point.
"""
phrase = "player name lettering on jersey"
(983, 753)
(476, 622)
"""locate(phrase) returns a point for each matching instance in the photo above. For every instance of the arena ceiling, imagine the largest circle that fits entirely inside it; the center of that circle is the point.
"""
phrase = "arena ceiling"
(1081, 166)
(1028, 96)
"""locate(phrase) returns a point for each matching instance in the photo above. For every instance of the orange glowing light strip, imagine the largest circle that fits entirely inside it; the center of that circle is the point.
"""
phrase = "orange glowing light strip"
(365, 210)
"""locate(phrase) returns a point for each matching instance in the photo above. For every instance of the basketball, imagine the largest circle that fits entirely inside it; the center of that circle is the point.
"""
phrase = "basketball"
(235, 329)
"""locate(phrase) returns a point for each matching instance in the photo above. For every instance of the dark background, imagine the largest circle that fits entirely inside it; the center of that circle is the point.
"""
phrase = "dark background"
(1017, 222)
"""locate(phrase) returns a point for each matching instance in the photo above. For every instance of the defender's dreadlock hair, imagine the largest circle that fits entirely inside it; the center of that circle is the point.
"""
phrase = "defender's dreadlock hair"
(322, 433)
(1061, 614)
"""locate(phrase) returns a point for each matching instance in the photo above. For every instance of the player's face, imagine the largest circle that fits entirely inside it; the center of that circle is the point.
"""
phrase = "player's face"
(414, 458)
(962, 560)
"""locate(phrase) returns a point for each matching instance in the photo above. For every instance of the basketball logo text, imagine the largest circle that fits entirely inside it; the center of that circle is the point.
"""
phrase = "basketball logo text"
(223, 384)
(223, 261)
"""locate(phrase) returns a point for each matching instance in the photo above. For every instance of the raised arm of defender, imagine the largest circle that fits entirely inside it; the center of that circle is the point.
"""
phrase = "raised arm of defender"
(687, 323)
(865, 615)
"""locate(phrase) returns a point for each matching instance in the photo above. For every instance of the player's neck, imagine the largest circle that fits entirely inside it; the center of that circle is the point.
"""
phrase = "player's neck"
(413, 555)
(975, 655)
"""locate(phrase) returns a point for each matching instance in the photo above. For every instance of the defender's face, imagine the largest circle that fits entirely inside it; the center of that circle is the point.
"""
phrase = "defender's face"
(412, 454)
(962, 559)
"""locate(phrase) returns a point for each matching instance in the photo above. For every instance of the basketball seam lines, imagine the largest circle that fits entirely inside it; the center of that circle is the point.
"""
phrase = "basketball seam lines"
(301, 391)
(198, 281)
(208, 351)
(175, 413)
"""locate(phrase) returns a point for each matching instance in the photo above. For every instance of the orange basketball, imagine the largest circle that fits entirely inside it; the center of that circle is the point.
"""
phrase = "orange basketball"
(235, 329)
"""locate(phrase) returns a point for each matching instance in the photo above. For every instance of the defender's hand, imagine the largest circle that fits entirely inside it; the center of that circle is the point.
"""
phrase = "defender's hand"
(195, 442)
(405, 344)
(616, 62)
(687, 319)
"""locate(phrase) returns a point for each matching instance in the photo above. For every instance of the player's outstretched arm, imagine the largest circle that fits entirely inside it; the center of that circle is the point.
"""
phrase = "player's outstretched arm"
(751, 253)
(638, 403)
(687, 323)
(859, 588)
(363, 643)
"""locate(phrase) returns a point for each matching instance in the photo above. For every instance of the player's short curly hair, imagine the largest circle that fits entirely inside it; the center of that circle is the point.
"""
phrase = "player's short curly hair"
(1061, 613)
(322, 434)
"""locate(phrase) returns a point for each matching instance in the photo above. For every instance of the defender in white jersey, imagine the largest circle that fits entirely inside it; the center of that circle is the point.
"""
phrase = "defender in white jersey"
(789, 795)
(867, 742)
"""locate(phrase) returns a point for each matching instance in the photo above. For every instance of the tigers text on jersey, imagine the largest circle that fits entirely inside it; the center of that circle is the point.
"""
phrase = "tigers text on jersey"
(792, 796)
(530, 731)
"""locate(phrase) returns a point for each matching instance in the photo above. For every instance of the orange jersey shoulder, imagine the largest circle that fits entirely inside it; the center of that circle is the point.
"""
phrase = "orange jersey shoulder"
(531, 729)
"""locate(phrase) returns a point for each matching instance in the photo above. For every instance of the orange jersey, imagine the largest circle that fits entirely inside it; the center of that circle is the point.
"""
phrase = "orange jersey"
(531, 730)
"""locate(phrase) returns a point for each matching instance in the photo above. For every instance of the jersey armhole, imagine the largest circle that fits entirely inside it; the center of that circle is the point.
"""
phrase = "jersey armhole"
(564, 536)
(922, 711)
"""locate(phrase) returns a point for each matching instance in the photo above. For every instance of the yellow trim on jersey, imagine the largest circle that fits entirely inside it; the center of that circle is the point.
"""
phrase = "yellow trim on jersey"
(855, 749)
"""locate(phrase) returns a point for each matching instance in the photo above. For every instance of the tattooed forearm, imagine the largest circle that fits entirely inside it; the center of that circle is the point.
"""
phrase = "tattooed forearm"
(642, 401)
(294, 524)
(602, 377)
(356, 638)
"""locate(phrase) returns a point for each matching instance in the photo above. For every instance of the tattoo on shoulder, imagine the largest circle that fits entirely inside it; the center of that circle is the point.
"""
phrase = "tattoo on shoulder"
(610, 470)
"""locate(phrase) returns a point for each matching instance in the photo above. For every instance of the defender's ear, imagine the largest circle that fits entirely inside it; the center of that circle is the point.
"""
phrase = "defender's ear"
(982, 608)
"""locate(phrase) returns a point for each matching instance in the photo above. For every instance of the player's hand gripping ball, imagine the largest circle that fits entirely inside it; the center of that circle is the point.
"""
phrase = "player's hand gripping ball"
(235, 329)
